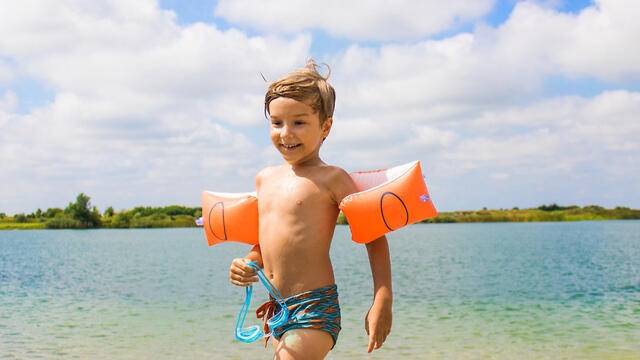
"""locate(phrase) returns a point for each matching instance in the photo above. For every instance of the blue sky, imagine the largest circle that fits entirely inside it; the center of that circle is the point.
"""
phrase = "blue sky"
(506, 103)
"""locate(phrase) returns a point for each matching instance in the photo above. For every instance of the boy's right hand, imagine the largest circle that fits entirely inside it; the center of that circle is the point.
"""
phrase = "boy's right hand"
(241, 274)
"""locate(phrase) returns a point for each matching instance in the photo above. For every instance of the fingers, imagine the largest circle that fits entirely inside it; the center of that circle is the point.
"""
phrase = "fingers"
(371, 331)
(377, 334)
(243, 281)
(371, 344)
(241, 264)
(366, 324)
(376, 340)
(241, 274)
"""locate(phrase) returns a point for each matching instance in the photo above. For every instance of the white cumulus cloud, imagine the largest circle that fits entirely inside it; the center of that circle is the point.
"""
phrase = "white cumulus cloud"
(145, 109)
(359, 19)
(140, 103)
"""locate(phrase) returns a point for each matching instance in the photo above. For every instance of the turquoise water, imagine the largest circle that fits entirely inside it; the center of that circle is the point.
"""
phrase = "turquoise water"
(504, 291)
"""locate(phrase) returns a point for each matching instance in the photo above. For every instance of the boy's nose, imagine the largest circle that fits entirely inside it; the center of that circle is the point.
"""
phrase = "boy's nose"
(286, 131)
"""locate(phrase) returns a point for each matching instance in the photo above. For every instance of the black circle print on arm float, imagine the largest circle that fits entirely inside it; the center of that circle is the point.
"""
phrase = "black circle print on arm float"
(403, 206)
(224, 228)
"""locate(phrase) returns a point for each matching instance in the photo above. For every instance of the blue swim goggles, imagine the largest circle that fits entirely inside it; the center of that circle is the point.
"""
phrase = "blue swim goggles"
(253, 333)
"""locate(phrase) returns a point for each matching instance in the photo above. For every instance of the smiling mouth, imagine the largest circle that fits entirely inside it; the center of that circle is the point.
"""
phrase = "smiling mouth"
(290, 147)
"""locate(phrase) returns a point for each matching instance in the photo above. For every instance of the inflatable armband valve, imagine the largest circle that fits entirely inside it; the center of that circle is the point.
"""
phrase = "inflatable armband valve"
(386, 200)
(230, 217)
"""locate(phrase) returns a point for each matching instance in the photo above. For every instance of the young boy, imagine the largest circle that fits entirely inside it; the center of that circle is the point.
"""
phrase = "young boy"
(298, 208)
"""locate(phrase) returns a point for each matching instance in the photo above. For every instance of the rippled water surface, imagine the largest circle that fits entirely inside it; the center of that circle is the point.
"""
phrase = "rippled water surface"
(536, 290)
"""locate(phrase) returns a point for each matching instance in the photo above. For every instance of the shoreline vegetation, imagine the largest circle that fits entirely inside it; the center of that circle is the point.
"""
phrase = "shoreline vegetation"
(82, 215)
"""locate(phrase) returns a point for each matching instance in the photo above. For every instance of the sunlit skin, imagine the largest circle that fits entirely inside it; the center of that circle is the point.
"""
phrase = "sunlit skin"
(298, 209)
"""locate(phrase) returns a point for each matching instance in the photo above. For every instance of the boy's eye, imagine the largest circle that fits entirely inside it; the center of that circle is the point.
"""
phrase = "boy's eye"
(275, 123)
(299, 122)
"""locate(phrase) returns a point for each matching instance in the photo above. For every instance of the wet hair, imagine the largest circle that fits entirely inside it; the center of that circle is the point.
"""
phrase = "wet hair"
(306, 85)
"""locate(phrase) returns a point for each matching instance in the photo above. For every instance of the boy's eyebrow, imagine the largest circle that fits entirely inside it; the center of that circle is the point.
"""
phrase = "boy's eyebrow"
(294, 115)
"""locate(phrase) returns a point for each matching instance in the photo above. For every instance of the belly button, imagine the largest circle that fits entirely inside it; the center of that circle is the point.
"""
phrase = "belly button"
(271, 276)
(299, 202)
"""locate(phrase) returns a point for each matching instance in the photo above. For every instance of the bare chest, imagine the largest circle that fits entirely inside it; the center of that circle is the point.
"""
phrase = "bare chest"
(292, 193)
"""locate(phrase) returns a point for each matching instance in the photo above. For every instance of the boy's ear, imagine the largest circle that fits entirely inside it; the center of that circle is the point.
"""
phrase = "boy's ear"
(326, 127)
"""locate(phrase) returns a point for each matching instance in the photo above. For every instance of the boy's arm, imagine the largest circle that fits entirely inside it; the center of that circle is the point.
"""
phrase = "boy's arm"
(378, 320)
(255, 255)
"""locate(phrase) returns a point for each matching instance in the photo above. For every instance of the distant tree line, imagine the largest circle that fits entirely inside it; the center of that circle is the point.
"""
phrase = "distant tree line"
(152, 217)
(552, 212)
(556, 207)
(81, 214)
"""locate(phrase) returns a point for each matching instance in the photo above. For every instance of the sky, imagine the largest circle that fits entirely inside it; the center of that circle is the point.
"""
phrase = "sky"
(146, 103)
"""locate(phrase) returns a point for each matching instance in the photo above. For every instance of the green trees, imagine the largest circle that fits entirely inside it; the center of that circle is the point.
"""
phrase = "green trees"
(121, 220)
(556, 207)
(77, 215)
(52, 212)
(81, 214)
(109, 212)
(553, 212)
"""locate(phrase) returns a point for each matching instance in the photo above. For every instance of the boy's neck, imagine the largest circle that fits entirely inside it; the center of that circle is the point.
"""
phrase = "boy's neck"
(305, 164)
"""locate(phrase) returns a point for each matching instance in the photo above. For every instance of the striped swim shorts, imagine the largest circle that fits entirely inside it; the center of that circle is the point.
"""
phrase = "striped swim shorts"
(314, 309)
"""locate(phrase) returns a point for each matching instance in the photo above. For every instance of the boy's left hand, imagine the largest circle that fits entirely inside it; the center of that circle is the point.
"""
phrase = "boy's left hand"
(377, 323)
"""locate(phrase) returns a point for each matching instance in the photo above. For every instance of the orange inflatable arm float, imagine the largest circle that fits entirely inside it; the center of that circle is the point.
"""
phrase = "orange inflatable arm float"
(387, 200)
(230, 217)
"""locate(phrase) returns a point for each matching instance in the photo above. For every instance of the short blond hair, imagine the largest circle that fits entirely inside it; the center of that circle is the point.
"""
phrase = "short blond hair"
(307, 85)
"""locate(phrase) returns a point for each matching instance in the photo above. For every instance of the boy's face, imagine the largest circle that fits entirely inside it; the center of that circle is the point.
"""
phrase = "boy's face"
(296, 130)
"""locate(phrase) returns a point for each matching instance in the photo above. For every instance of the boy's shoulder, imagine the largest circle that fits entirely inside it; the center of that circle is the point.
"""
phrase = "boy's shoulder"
(336, 172)
(340, 183)
(266, 172)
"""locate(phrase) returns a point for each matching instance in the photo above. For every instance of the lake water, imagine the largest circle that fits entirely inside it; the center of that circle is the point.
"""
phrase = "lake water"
(461, 291)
